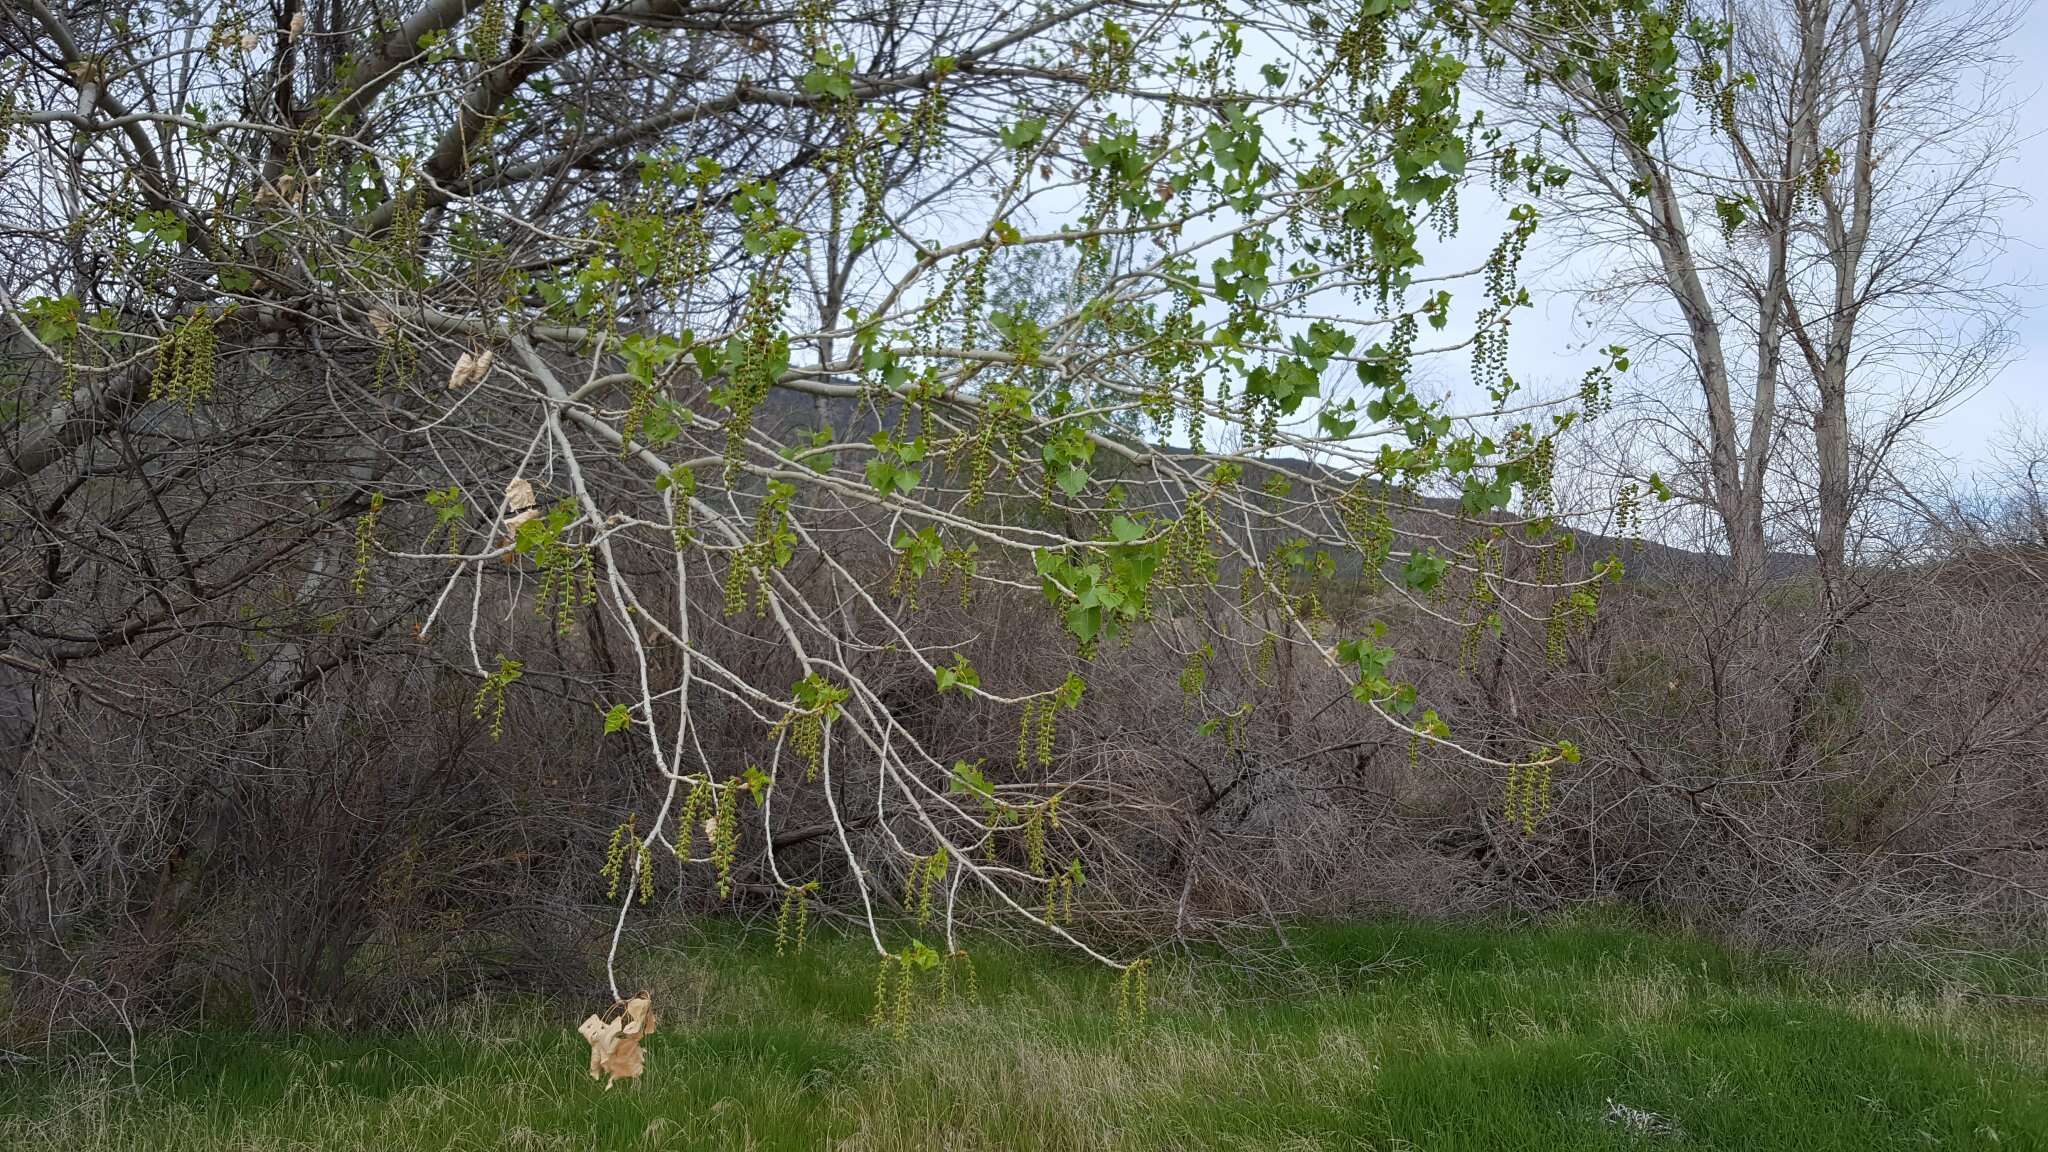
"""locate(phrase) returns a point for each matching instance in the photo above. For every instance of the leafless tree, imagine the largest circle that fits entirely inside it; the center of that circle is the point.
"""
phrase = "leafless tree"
(1816, 216)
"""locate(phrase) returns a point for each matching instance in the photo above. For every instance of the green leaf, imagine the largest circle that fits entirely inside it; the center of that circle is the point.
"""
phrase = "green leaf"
(1084, 623)
(1069, 692)
(1072, 480)
(55, 319)
(967, 779)
(1423, 570)
(892, 470)
(617, 720)
(163, 225)
(961, 675)
(1024, 133)
(828, 82)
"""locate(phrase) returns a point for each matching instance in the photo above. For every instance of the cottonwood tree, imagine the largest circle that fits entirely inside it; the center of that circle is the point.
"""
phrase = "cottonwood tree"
(1807, 190)
(674, 322)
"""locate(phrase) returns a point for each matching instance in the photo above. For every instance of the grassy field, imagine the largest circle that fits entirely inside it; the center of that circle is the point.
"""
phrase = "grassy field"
(1384, 1036)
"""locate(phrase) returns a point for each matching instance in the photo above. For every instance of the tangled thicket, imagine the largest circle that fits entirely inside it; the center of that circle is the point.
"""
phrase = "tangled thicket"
(479, 483)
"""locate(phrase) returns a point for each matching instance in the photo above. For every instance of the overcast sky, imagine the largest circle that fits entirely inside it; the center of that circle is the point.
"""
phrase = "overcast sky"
(2022, 390)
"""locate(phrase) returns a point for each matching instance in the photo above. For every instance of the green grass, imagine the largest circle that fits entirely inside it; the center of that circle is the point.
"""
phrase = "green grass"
(1384, 1036)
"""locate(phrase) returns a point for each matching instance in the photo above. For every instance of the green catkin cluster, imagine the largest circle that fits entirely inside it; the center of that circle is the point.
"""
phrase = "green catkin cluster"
(449, 511)
(366, 545)
(839, 162)
(928, 123)
(1059, 894)
(807, 740)
(637, 407)
(792, 923)
(1262, 664)
(568, 581)
(1132, 1004)
(623, 837)
(1110, 60)
(1628, 514)
(1538, 465)
(1549, 564)
(703, 799)
(644, 876)
(755, 373)
(1194, 675)
(1190, 558)
(1486, 560)
(1490, 333)
(402, 239)
(1262, 415)
(1704, 81)
(880, 1014)
(973, 294)
(958, 569)
(185, 372)
(1557, 630)
(1444, 213)
(1362, 46)
(1808, 191)
(1468, 650)
(1034, 840)
(1037, 735)
(725, 836)
(893, 995)
(955, 568)
(981, 451)
(768, 550)
(927, 874)
(490, 697)
(682, 483)
(1596, 392)
(868, 172)
(10, 93)
(487, 39)
(811, 16)
(804, 726)
(397, 360)
(735, 601)
(903, 579)
(689, 250)
(1526, 799)
(681, 240)
(961, 971)
(900, 1021)
(1364, 514)
(1193, 400)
